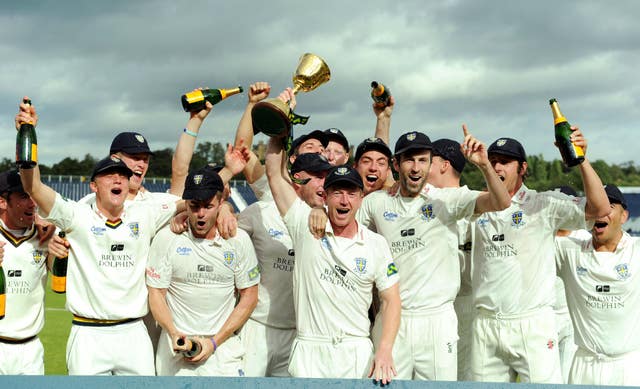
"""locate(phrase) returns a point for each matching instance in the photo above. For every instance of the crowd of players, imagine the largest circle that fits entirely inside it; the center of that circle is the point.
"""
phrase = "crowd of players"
(338, 271)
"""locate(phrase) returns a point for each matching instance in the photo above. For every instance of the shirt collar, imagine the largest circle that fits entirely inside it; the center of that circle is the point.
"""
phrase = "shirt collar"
(522, 195)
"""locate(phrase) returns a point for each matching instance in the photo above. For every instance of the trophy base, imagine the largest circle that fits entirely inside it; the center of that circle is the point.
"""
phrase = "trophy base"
(271, 117)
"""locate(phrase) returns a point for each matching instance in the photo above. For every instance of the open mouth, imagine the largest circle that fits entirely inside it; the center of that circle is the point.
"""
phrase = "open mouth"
(201, 223)
(371, 178)
(501, 178)
(137, 173)
(415, 178)
(116, 191)
(600, 225)
(342, 211)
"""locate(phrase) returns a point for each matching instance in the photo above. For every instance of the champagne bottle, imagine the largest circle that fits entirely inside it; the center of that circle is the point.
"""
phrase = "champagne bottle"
(3, 291)
(194, 101)
(59, 272)
(572, 155)
(26, 144)
(193, 347)
(380, 94)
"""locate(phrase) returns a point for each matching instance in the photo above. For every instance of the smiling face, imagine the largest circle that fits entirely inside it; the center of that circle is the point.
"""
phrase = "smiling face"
(202, 215)
(312, 192)
(413, 170)
(18, 210)
(111, 189)
(342, 204)
(336, 154)
(509, 170)
(139, 164)
(373, 167)
(607, 230)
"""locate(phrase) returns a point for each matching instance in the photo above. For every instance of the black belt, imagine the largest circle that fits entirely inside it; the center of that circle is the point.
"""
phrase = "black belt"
(17, 341)
(88, 322)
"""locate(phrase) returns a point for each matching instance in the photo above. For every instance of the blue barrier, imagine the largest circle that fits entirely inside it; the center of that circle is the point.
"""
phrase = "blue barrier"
(64, 382)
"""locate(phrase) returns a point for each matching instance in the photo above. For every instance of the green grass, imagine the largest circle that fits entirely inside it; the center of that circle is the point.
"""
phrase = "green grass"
(55, 332)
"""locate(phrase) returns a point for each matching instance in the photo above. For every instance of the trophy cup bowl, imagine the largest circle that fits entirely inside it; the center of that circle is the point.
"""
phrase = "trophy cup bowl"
(271, 116)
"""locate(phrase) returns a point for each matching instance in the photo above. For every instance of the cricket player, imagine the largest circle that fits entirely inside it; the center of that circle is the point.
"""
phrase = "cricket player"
(372, 161)
(419, 222)
(334, 278)
(337, 149)
(106, 291)
(25, 268)
(192, 283)
(603, 294)
(268, 335)
(513, 276)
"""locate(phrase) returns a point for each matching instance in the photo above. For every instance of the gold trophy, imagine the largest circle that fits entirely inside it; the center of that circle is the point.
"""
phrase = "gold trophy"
(274, 117)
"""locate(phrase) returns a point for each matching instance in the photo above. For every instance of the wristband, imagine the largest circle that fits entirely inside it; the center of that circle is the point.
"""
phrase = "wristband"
(193, 134)
(215, 345)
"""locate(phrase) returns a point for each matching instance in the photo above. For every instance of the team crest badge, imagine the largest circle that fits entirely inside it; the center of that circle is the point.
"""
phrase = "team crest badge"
(342, 171)
(115, 159)
(361, 265)
(140, 138)
(411, 136)
(501, 142)
(623, 271)
(427, 212)
(229, 258)
(516, 219)
(197, 179)
(372, 139)
(38, 256)
(135, 229)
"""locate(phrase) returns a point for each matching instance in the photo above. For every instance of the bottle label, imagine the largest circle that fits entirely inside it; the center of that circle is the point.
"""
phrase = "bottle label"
(194, 96)
(3, 302)
(34, 152)
(59, 284)
(579, 151)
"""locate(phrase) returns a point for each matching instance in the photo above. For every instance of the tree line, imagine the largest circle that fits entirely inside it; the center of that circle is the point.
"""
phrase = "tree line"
(542, 174)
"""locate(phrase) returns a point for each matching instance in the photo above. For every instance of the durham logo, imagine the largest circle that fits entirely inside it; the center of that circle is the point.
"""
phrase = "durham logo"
(391, 269)
(229, 258)
(516, 219)
(38, 256)
(135, 229)
(361, 265)
(427, 212)
(623, 271)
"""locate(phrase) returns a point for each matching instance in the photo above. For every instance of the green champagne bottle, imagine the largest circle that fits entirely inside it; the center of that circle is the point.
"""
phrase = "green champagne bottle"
(59, 272)
(194, 101)
(380, 94)
(3, 295)
(26, 144)
(572, 155)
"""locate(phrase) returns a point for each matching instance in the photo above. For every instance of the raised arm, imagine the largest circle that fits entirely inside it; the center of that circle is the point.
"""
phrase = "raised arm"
(41, 194)
(184, 149)
(597, 201)
(244, 134)
(497, 197)
(383, 119)
(283, 193)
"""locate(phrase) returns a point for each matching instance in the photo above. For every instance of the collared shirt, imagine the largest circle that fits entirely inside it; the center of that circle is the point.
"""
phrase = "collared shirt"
(423, 234)
(334, 276)
(25, 272)
(513, 250)
(274, 249)
(107, 259)
(201, 276)
(603, 293)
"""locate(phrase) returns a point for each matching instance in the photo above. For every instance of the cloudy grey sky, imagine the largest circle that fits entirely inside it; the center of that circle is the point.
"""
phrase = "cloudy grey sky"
(94, 69)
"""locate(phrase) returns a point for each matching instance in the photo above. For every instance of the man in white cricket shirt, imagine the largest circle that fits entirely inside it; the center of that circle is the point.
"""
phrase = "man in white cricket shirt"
(602, 281)
(25, 268)
(333, 280)
(106, 291)
(268, 335)
(192, 282)
(420, 224)
(513, 273)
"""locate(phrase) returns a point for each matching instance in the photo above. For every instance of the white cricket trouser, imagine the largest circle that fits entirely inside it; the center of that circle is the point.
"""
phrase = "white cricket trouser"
(597, 369)
(267, 349)
(331, 357)
(22, 358)
(566, 345)
(226, 361)
(465, 311)
(123, 349)
(523, 344)
(426, 344)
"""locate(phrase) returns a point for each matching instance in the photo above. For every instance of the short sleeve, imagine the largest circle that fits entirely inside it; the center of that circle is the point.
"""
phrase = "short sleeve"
(159, 266)
(247, 273)
(387, 272)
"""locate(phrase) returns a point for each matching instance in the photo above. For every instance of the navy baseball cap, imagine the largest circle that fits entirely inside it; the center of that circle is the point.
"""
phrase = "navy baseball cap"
(317, 134)
(343, 175)
(412, 141)
(450, 150)
(372, 143)
(202, 184)
(508, 147)
(110, 164)
(10, 182)
(130, 143)
(334, 134)
(311, 163)
(615, 196)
